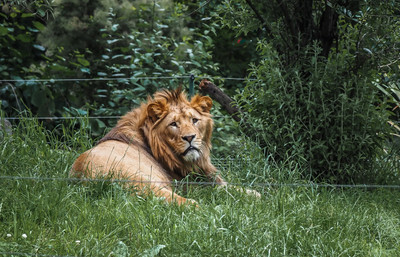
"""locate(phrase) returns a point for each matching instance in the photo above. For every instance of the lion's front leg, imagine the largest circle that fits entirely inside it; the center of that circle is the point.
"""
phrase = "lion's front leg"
(240, 189)
(170, 196)
(221, 182)
(250, 192)
(213, 176)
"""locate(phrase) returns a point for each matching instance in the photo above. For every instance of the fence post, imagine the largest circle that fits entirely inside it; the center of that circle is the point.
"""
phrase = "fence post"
(191, 86)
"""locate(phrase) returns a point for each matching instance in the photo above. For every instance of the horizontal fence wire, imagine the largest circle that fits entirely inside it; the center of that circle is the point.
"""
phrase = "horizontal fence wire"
(62, 118)
(76, 117)
(93, 79)
(206, 183)
(121, 78)
(31, 254)
(52, 80)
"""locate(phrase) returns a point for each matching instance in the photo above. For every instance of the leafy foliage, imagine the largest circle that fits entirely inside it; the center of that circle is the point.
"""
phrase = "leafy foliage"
(314, 97)
(18, 30)
(329, 121)
(105, 40)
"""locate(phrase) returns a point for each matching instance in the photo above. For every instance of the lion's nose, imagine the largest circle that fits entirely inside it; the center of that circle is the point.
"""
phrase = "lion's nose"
(189, 138)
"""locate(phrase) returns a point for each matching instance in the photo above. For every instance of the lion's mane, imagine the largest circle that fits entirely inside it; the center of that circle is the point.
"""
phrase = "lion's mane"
(141, 127)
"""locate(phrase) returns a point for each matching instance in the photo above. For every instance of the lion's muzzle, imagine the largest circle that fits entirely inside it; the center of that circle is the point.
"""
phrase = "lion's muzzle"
(190, 148)
(191, 154)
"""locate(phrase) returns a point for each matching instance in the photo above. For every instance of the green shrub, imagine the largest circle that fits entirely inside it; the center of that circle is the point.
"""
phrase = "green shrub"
(324, 114)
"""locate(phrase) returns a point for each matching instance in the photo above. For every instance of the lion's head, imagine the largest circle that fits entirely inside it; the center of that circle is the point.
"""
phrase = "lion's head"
(178, 131)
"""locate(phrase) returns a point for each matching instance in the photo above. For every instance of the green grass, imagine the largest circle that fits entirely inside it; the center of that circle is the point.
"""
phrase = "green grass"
(102, 219)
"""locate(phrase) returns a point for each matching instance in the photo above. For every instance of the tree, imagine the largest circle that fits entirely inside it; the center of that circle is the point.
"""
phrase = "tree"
(313, 98)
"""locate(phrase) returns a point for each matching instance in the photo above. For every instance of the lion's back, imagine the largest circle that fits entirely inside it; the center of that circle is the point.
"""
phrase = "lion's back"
(114, 159)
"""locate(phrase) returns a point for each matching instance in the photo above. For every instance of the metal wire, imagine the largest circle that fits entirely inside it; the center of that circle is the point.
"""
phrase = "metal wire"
(207, 183)
(102, 79)
(62, 118)
(75, 117)
(121, 78)
(30, 254)
(91, 79)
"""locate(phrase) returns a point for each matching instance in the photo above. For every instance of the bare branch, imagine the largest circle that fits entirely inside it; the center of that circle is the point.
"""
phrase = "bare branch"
(226, 102)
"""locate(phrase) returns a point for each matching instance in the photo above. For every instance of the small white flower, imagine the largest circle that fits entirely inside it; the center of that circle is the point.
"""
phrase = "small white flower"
(9, 235)
(24, 236)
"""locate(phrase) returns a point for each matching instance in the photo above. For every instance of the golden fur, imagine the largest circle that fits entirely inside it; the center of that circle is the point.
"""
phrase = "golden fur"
(164, 139)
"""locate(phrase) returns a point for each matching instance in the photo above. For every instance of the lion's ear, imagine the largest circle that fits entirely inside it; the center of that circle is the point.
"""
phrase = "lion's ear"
(155, 110)
(201, 103)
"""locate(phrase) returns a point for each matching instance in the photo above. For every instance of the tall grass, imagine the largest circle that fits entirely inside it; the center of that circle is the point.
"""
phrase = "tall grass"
(57, 217)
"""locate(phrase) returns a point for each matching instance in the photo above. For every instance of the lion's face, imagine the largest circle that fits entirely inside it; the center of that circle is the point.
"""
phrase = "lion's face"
(184, 131)
(179, 130)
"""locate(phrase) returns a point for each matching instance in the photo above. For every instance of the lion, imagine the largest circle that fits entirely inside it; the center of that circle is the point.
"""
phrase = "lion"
(160, 142)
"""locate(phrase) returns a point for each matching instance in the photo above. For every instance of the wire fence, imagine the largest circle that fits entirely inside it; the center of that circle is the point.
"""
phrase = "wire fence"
(174, 183)
(31, 254)
(52, 80)
(63, 118)
(76, 117)
(263, 185)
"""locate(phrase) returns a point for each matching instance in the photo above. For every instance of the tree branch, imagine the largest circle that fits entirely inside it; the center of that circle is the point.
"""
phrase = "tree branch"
(289, 22)
(259, 17)
(226, 102)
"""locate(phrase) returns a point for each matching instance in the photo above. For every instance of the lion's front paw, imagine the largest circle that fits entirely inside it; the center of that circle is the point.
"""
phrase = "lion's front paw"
(253, 192)
(250, 192)
(188, 201)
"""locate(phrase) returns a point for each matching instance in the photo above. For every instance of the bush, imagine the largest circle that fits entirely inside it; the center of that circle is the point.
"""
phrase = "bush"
(19, 27)
(324, 114)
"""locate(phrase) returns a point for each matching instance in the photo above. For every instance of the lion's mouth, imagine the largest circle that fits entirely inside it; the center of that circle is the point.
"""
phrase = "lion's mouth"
(190, 148)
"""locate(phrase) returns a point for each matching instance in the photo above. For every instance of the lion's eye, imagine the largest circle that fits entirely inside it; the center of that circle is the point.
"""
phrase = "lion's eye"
(173, 124)
(194, 120)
